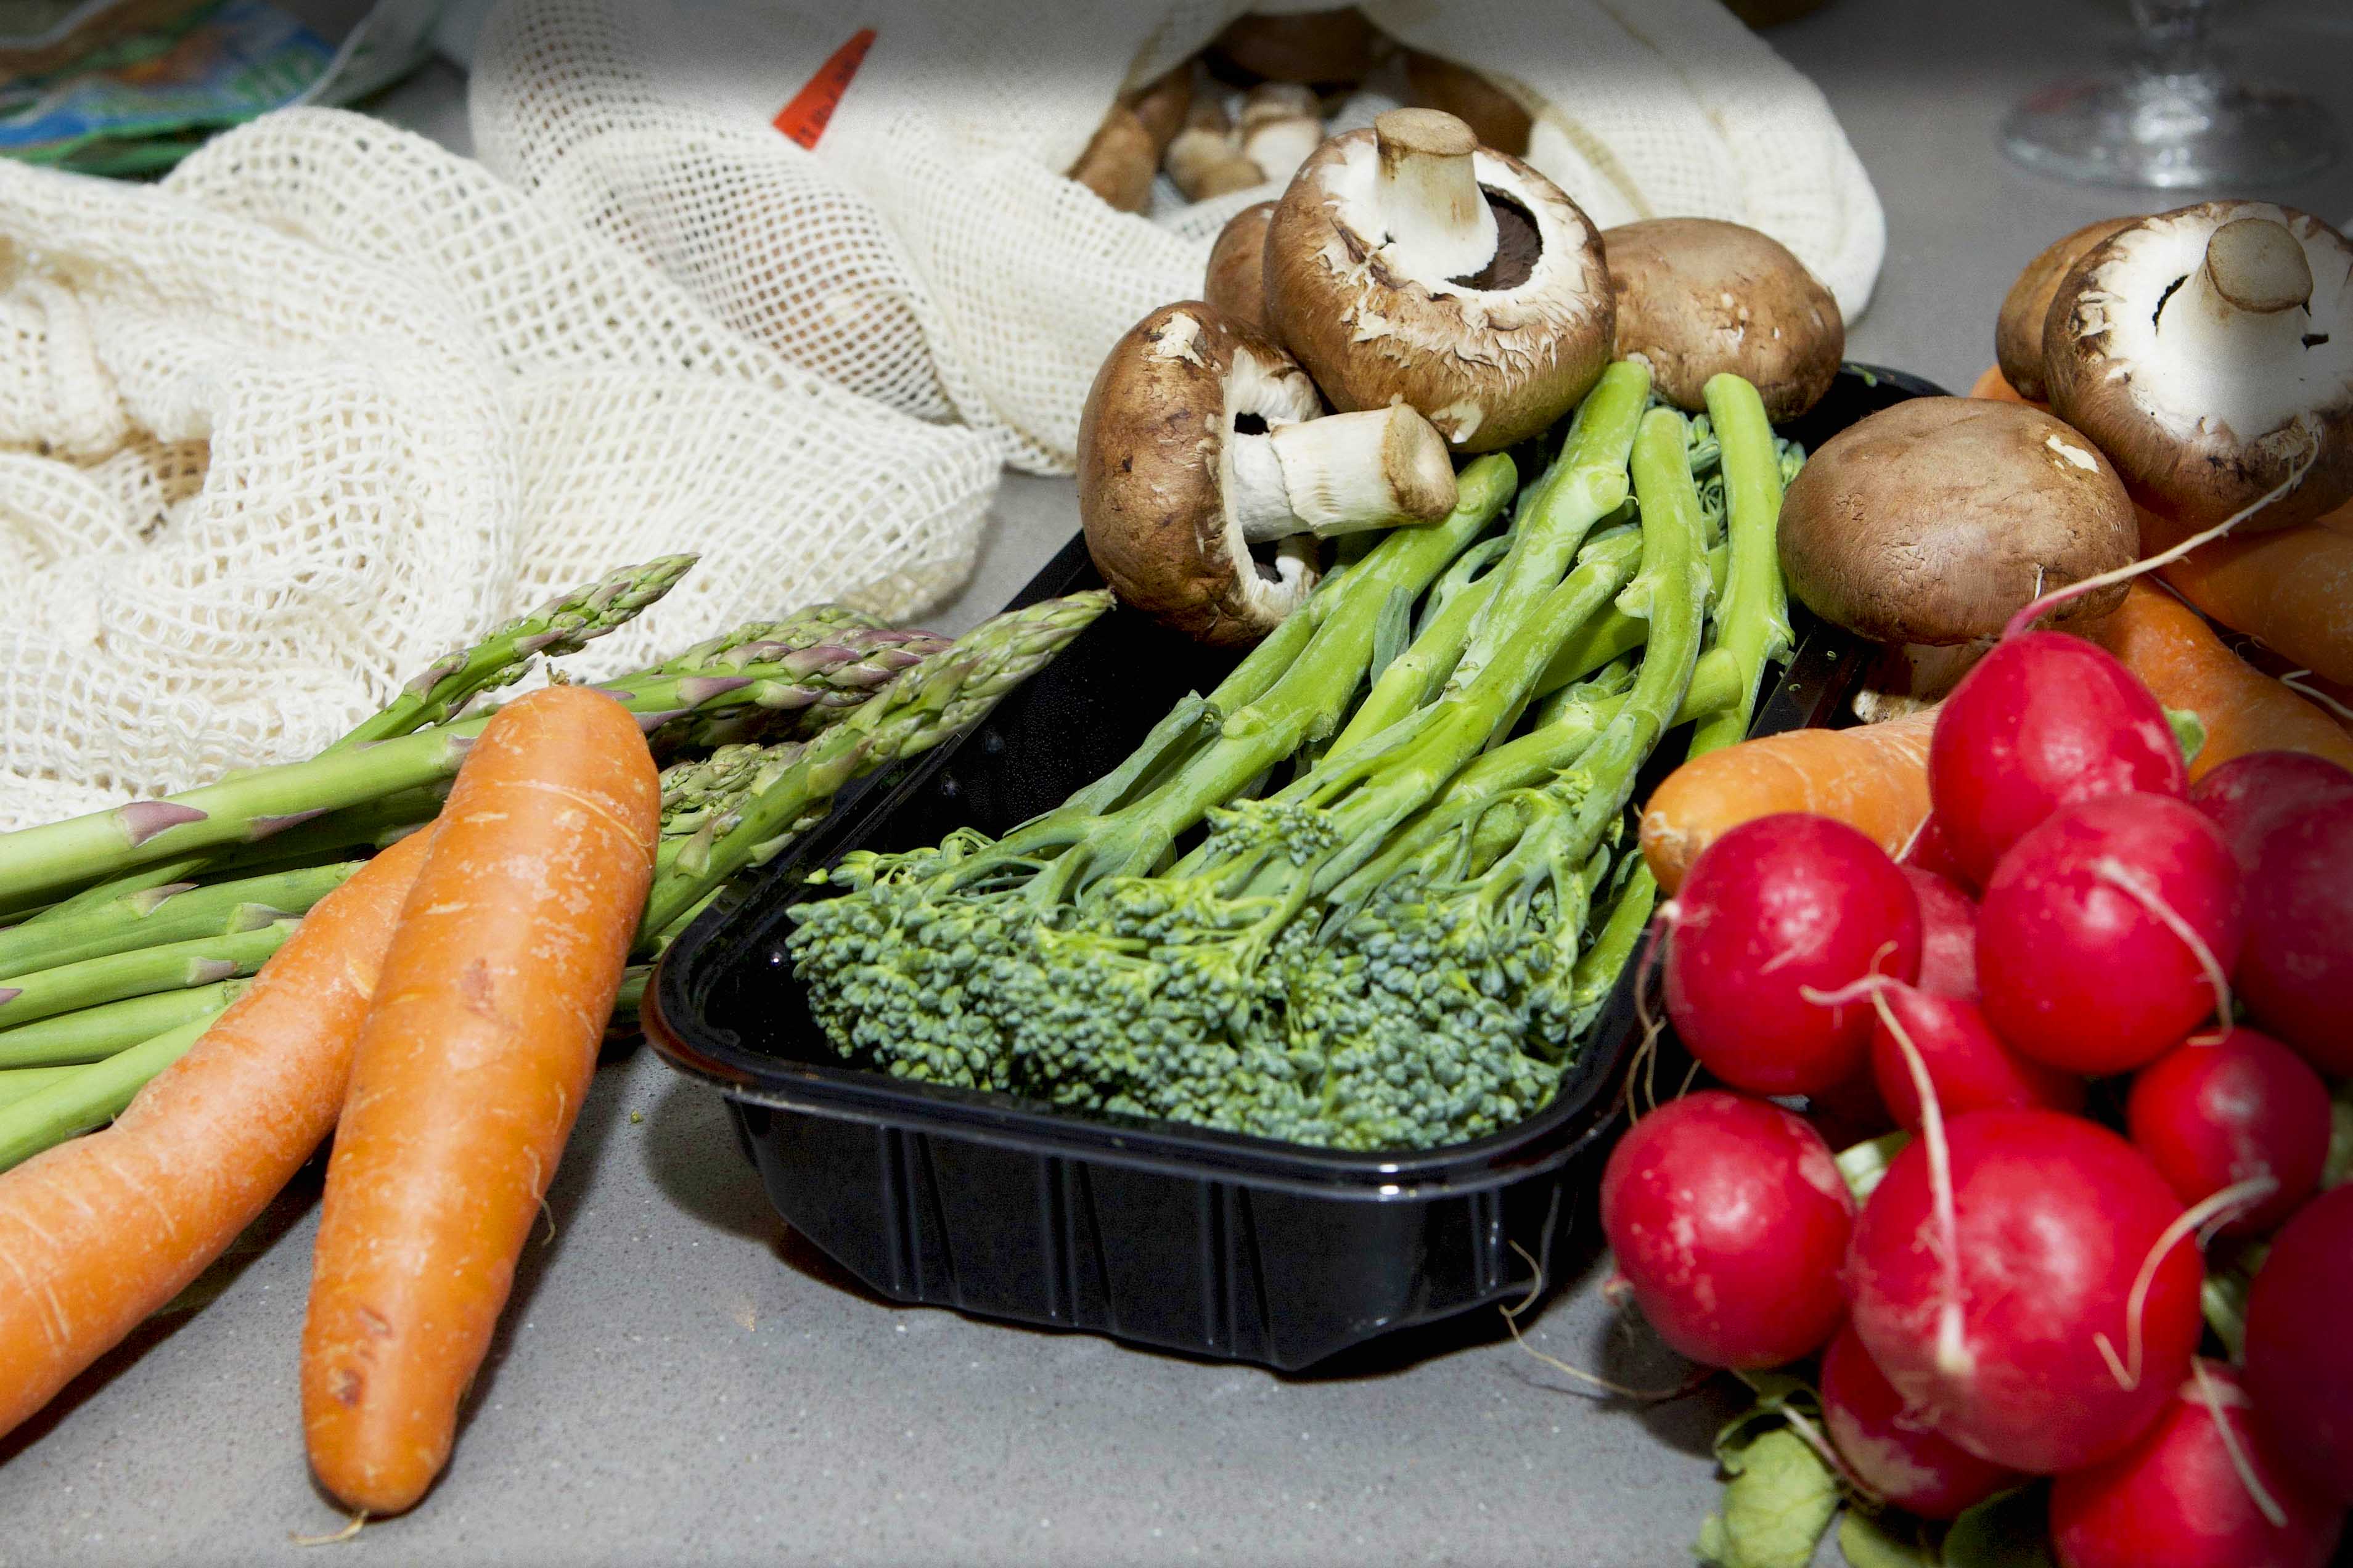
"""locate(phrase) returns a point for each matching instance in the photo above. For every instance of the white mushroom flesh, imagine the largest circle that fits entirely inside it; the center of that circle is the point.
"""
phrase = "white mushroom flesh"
(1278, 395)
(1432, 217)
(2201, 361)
(1345, 473)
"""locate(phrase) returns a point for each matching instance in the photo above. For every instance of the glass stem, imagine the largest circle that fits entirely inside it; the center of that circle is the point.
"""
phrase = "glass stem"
(2173, 35)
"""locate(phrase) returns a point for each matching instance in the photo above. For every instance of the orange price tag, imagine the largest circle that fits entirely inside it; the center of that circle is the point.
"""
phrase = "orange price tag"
(804, 118)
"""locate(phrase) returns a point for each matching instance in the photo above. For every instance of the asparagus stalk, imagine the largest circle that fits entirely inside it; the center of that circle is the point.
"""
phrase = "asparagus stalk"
(95, 1033)
(944, 695)
(1752, 618)
(565, 623)
(175, 912)
(16, 1083)
(251, 807)
(176, 966)
(89, 1096)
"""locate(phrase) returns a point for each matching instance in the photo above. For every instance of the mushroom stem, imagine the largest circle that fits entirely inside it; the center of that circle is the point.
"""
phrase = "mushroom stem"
(2244, 304)
(1437, 221)
(1345, 473)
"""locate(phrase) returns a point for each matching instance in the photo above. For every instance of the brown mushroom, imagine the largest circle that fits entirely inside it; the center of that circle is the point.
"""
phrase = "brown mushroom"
(1937, 519)
(1281, 125)
(1205, 159)
(1162, 105)
(2208, 351)
(1494, 115)
(1322, 48)
(1237, 276)
(1408, 264)
(1200, 439)
(1119, 160)
(2018, 331)
(1696, 297)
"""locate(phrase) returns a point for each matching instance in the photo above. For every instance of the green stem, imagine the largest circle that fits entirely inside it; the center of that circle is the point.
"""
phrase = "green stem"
(1414, 675)
(175, 912)
(16, 1083)
(1613, 633)
(1599, 966)
(1752, 623)
(177, 966)
(89, 1096)
(96, 1033)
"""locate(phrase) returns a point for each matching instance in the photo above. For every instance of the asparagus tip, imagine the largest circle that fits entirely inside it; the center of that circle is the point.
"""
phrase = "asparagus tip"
(142, 819)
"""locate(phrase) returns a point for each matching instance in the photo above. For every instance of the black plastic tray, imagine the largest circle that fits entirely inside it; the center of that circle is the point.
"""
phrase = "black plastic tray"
(1153, 1232)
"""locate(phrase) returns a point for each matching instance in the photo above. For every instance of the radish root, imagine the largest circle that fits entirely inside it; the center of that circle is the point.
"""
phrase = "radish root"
(2211, 1397)
(2212, 1210)
(1639, 1396)
(2046, 603)
(1645, 1063)
(2116, 874)
(348, 1532)
(1953, 1357)
(2294, 681)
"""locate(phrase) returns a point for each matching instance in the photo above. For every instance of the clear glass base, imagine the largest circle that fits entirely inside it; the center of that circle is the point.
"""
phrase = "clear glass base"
(2171, 132)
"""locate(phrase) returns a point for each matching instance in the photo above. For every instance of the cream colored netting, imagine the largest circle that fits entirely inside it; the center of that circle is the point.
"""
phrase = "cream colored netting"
(926, 253)
(329, 400)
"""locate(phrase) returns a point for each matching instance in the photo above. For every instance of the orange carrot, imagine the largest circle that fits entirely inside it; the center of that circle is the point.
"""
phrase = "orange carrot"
(2177, 656)
(2290, 589)
(471, 1069)
(1995, 386)
(1874, 777)
(97, 1233)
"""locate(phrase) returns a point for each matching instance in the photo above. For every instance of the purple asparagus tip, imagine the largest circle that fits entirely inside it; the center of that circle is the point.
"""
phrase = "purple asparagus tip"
(142, 819)
(263, 826)
(9, 993)
(649, 722)
(432, 678)
(699, 690)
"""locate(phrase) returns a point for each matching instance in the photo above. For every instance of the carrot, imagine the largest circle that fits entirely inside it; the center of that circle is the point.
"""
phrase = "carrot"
(97, 1233)
(2177, 656)
(1874, 777)
(1995, 386)
(2290, 589)
(469, 1071)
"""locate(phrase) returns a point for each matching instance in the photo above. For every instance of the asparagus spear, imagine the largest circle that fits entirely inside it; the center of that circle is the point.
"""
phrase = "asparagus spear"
(177, 911)
(96, 1033)
(16, 1083)
(1751, 617)
(944, 695)
(565, 623)
(174, 966)
(251, 807)
(89, 1096)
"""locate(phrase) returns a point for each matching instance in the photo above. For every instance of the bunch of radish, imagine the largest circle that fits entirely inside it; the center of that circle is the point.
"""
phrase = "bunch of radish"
(2020, 1296)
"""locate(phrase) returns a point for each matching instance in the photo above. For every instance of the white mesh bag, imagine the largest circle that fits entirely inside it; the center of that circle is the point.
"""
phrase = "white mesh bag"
(927, 252)
(329, 401)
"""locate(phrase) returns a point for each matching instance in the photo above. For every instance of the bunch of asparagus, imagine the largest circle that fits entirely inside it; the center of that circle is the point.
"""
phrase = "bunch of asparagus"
(133, 929)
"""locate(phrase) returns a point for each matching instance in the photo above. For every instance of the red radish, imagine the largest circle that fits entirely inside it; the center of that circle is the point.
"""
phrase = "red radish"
(2064, 1312)
(2298, 969)
(1901, 1459)
(1948, 934)
(1932, 852)
(2251, 795)
(2192, 1493)
(1969, 1066)
(1849, 1111)
(2044, 720)
(2210, 1115)
(2299, 1348)
(2109, 932)
(1775, 909)
(1728, 1218)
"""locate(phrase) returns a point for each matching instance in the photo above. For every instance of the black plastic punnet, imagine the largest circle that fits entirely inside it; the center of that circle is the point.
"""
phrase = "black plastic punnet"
(1153, 1232)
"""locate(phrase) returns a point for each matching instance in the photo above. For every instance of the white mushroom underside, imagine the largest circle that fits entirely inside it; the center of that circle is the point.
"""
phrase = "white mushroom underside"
(1280, 394)
(1510, 333)
(2200, 365)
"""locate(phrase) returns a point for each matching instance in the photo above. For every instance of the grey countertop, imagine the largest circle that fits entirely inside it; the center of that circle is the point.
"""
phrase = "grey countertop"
(679, 1379)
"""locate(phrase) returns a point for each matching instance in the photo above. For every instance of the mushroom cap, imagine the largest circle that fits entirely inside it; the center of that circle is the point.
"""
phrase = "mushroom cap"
(2018, 331)
(1152, 448)
(1937, 519)
(1488, 366)
(1316, 47)
(1236, 275)
(2204, 419)
(1696, 297)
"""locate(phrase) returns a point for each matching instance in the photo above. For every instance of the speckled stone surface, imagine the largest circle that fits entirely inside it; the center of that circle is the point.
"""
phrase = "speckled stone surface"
(679, 1380)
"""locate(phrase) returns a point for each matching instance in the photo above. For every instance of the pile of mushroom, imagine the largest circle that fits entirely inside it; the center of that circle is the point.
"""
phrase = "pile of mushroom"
(2208, 353)
(1441, 296)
